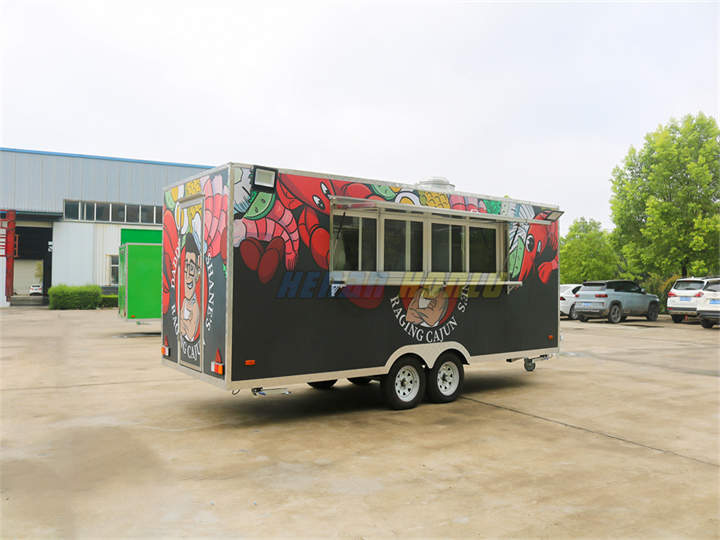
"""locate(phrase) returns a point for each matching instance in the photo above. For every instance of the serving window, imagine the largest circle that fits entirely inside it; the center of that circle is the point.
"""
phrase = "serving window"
(483, 250)
(402, 245)
(355, 243)
(395, 242)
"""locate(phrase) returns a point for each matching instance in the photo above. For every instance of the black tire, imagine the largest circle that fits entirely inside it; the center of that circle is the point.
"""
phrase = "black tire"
(653, 311)
(360, 381)
(572, 315)
(445, 379)
(582, 318)
(394, 384)
(707, 323)
(615, 314)
(323, 385)
(677, 318)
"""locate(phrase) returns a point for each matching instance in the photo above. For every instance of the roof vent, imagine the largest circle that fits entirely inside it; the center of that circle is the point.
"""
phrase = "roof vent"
(439, 183)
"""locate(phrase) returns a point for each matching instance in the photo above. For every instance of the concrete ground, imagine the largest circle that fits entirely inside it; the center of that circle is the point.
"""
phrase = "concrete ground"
(617, 437)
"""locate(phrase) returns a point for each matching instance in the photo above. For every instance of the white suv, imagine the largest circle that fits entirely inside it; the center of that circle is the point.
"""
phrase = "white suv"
(567, 299)
(684, 297)
(709, 304)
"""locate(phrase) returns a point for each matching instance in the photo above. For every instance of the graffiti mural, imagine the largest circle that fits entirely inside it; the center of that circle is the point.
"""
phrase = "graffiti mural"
(195, 217)
(273, 231)
(270, 228)
(533, 248)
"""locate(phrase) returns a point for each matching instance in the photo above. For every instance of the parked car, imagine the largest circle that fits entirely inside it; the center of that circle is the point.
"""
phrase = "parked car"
(36, 290)
(567, 299)
(709, 304)
(684, 297)
(615, 299)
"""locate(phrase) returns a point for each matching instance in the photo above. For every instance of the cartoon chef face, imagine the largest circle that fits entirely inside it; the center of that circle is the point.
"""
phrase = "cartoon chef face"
(428, 307)
(192, 267)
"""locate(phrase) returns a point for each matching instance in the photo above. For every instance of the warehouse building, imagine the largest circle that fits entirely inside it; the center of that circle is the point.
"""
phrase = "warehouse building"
(69, 212)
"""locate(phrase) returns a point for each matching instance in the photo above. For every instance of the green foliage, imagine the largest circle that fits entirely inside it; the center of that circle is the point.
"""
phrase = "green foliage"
(657, 284)
(66, 297)
(109, 300)
(666, 201)
(586, 253)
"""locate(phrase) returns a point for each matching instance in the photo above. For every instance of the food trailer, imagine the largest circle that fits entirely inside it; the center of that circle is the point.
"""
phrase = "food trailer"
(273, 277)
(139, 281)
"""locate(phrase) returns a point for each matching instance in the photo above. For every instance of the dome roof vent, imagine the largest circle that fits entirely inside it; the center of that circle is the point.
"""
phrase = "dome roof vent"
(437, 183)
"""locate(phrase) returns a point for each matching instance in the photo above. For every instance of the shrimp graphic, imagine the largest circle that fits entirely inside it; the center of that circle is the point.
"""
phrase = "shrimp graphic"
(270, 230)
(268, 221)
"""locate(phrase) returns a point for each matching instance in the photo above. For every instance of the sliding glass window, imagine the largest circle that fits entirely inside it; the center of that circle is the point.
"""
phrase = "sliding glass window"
(355, 243)
(483, 253)
(403, 245)
(448, 248)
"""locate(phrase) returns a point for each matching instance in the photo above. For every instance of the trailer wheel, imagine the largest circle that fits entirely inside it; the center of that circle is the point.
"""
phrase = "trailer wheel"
(403, 387)
(360, 381)
(323, 385)
(445, 379)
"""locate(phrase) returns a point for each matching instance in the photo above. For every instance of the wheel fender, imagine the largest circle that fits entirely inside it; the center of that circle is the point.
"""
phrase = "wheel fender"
(428, 353)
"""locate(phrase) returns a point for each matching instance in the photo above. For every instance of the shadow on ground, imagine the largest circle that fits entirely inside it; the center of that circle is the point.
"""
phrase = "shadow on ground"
(305, 403)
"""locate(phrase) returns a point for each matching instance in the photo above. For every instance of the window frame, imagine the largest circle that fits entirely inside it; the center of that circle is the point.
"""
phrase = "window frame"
(109, 212)
(110, 269)
(400, 216)
(360, 215)
(79, 209)
(157, 212)
(427, 219)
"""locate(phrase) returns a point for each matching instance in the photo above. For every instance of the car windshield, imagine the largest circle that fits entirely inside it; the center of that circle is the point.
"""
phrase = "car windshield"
(713, 286)
(688, 285)
(593, 287)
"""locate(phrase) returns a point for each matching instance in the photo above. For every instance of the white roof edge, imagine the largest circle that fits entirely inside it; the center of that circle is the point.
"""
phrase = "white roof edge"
(389, 183)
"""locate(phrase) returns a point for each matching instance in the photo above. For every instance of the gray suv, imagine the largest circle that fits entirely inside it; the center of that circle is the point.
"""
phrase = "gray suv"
(615, 299)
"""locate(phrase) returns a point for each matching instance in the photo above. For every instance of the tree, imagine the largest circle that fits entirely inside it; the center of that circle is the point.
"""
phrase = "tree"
(586, 253)
(666, 201)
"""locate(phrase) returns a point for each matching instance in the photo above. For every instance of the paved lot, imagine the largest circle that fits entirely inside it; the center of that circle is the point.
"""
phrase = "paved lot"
(617, 437)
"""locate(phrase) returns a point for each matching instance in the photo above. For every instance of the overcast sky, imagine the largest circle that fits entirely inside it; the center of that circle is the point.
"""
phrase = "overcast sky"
(536, 101)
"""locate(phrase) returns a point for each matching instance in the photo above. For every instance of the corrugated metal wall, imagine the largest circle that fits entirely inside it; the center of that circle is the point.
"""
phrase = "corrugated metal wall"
(39, 182)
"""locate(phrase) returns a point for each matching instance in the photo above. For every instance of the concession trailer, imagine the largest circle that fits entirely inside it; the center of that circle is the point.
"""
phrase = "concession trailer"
(139, 279)
(273, 277)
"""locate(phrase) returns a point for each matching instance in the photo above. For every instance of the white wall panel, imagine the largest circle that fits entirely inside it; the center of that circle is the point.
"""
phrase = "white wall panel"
(3, 298)
(73, 255)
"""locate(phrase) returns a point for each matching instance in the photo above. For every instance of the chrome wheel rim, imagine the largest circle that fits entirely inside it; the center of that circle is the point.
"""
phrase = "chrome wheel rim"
(407, 383)
(448, 378)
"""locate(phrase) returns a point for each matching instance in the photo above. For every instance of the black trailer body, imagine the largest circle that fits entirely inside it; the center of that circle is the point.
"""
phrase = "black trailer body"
(273, 277)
